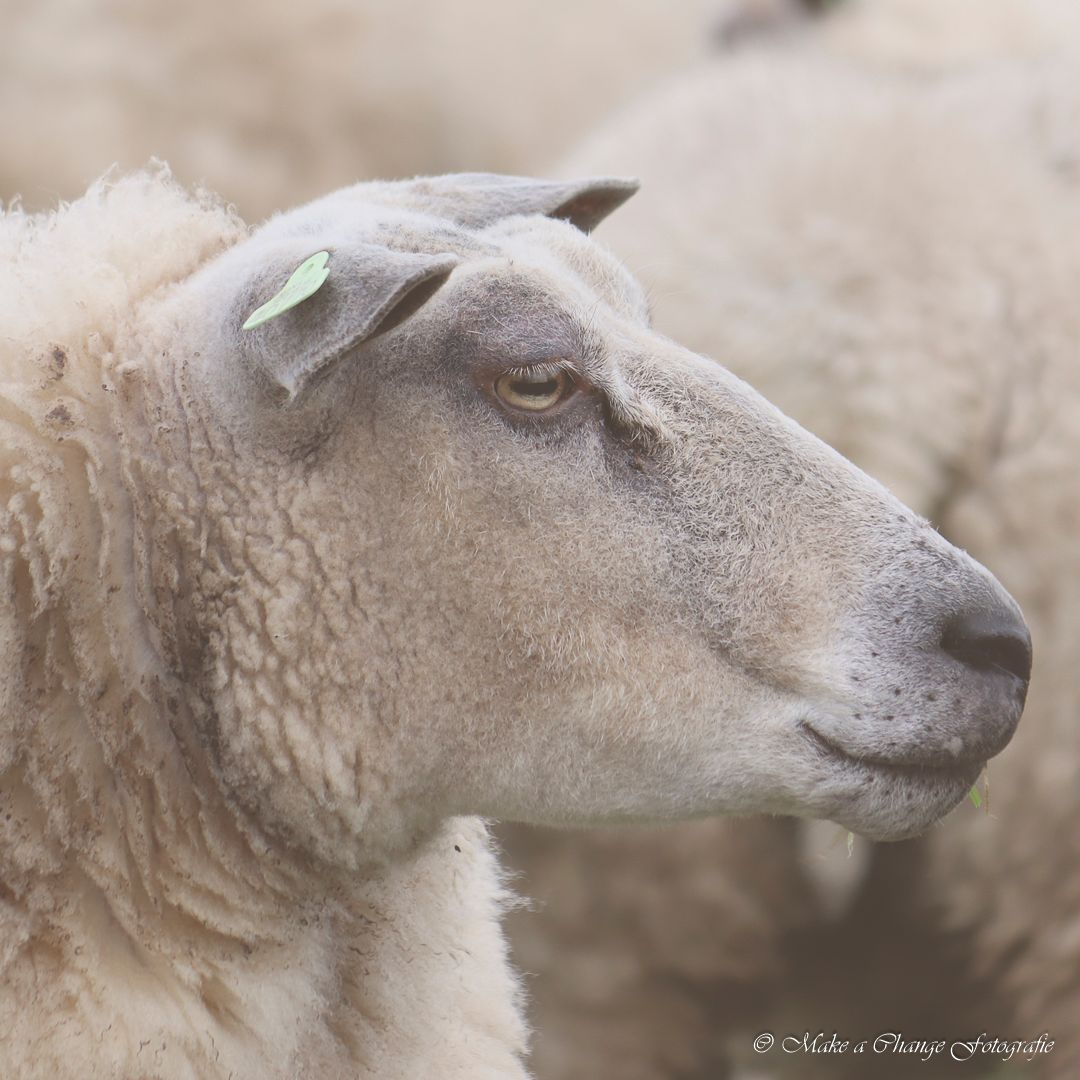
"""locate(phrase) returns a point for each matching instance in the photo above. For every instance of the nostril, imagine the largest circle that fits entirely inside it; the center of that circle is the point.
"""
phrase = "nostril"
(990, 640)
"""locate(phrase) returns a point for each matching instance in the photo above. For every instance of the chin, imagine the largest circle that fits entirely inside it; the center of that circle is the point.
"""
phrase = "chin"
(895, 802)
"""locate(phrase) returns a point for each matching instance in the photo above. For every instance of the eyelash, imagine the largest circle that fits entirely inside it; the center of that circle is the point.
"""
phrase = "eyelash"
(548, 369)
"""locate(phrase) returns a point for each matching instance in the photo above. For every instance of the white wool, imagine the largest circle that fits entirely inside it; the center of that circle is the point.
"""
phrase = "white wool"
(149, 958)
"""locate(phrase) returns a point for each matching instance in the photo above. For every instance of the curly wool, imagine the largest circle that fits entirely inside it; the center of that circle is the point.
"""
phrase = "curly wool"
(117, 868)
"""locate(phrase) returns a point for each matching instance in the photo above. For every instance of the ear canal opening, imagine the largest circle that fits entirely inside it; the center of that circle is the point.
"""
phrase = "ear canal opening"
(374, 290)
(409, 304)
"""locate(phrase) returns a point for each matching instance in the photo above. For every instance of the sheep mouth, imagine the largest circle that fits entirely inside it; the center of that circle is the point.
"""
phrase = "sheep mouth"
(922, 773)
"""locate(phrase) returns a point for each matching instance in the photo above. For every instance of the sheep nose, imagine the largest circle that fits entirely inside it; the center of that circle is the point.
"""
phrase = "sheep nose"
(990, 639)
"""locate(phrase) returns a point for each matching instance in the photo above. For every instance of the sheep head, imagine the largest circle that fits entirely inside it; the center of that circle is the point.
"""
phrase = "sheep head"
(460, 533)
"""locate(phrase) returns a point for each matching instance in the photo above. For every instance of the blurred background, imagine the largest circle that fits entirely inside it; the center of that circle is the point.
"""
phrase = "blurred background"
(270, 103)
(869, 209)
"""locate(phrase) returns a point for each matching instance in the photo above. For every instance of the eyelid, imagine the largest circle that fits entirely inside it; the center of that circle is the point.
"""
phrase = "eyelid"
(544, 369)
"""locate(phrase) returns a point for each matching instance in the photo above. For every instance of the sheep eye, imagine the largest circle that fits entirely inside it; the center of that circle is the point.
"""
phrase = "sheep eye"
(533, 392)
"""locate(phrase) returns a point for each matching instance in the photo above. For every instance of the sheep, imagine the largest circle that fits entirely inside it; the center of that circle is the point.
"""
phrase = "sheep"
(325, 541)
(892, 267)
(1029, 48)
(271, 102)
(948, 36)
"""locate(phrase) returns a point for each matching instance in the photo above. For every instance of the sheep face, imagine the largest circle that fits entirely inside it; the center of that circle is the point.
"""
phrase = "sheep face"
(461, 534)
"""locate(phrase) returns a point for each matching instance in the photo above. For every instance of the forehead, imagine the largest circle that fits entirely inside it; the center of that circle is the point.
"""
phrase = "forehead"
(519, 266)
(499, 309)
(374, 213)
(570, 261)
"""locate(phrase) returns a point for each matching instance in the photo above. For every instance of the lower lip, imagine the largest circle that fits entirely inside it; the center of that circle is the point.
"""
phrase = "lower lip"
(924, 775)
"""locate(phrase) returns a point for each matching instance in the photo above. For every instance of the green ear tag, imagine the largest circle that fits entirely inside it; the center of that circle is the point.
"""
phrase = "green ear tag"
(306, 279)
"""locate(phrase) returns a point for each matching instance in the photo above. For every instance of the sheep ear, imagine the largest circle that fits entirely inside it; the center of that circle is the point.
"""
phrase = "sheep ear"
(364, 288)
(591, 201)
(478, 199)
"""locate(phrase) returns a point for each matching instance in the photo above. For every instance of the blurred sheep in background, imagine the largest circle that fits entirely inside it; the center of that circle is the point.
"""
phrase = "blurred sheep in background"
(891, 259)
(270, 103)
